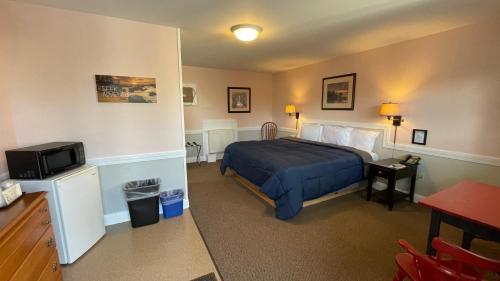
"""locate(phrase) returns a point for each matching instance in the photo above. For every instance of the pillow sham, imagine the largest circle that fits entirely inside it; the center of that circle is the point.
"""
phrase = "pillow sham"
(336, 135)
(363, 139)
(310, 132)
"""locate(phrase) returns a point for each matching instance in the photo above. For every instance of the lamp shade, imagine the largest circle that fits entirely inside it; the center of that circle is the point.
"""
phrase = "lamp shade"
(389, 109)
(290, 108)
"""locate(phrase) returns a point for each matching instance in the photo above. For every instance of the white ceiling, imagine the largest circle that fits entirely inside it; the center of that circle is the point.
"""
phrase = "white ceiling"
(296, 32)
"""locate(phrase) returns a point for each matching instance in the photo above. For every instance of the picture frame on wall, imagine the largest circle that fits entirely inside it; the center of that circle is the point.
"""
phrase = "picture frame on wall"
(338, 92)
(419, 136)
(125, 89)
(189, 94)
(239, 100)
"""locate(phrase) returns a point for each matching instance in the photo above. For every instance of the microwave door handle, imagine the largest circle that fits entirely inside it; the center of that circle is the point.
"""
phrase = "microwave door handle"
(45, 165)
(74, 155)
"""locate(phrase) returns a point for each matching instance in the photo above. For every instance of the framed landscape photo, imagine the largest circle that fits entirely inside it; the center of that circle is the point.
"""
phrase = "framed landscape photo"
(419, 137)
(338, 92)
(189, 94)
(125, 89)
(239, 100)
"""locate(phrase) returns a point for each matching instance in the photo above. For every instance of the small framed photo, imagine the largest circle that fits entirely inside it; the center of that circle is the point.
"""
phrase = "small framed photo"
(239, 100)
(419, 137)
(338, 92)
(189, 94)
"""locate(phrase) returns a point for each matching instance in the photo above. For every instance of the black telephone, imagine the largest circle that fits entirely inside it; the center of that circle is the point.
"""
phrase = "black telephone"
(409, 160)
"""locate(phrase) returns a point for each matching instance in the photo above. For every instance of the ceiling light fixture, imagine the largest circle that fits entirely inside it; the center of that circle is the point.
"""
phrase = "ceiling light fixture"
(246, 32)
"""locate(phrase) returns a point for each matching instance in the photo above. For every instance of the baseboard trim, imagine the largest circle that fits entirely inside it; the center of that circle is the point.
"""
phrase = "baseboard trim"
(203, 158)
(123, 216)
(4, 176)
(417, 197)
(125, 159)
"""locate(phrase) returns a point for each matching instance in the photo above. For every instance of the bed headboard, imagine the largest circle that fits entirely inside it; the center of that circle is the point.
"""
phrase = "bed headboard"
(382, 128)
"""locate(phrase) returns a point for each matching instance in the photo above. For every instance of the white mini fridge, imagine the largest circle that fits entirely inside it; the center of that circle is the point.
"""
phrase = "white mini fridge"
(75, 208)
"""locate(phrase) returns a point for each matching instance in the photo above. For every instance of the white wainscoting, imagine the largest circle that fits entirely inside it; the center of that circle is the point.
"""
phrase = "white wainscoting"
(123, 216)
(4, 176)
(456, 155)
(125, 159)
(240, 129)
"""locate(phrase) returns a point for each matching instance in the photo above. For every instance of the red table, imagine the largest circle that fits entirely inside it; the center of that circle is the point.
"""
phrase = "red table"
(474, 207)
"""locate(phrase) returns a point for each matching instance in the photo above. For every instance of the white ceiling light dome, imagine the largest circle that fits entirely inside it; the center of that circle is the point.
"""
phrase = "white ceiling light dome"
(246, 32)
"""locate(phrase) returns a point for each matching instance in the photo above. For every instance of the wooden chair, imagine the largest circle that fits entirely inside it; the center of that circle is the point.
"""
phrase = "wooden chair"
(450, 263)
(268, 131)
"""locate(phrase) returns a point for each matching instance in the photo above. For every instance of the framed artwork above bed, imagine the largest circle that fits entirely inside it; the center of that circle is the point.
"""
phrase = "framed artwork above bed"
(338, 92)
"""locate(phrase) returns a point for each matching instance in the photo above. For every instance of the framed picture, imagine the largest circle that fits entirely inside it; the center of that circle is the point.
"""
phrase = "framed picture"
(125, 89)
(239, 100)
(338, 92)
(189, 94)
(419, 137)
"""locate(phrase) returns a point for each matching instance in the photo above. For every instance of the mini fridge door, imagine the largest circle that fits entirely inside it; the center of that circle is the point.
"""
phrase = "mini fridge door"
(80, 207)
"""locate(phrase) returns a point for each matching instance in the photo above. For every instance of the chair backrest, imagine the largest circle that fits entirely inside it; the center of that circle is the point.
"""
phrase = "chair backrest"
(451, 263)
(268, 131)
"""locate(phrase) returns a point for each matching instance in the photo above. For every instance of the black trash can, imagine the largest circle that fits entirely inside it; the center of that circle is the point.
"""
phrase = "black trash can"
(143, 201)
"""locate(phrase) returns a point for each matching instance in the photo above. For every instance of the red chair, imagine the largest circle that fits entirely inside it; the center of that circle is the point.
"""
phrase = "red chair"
(450, 263)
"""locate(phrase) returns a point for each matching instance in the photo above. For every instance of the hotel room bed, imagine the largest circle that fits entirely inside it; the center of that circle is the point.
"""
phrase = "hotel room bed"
(292, 170)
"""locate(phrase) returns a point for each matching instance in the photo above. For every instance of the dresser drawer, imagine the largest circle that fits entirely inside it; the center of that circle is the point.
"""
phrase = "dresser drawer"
(52, 271)
(35, 263)
(21, 241)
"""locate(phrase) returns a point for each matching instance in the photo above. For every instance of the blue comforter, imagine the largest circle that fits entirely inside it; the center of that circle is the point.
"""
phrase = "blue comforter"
(291, 171)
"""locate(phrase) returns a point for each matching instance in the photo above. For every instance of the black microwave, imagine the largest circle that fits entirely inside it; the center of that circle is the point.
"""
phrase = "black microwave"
(45, 160)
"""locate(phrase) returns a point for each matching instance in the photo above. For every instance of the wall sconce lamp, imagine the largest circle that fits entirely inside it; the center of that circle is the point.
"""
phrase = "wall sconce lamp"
(391, 111)
(290, 108)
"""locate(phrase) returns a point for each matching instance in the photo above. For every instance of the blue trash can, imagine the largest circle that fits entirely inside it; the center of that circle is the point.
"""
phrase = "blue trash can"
(171, 203)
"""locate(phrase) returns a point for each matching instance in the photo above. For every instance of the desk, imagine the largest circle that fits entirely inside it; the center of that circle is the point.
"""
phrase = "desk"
(471, 206)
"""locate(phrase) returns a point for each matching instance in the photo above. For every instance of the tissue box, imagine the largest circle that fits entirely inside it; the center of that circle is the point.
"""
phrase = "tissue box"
(10, 191)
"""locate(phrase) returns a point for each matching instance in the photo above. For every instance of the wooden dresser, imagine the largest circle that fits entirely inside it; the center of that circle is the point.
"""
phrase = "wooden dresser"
(27, 245)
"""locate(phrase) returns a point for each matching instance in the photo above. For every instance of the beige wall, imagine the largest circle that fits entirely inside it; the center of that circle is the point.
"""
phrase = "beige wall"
(7, 133)
(448, 83)
(50, 57)
(212, 96)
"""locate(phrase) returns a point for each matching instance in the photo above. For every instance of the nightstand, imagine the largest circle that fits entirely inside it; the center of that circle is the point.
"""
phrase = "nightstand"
(381, 169)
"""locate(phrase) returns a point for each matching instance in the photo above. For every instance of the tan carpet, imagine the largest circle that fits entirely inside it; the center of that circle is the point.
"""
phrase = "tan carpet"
(346, 238)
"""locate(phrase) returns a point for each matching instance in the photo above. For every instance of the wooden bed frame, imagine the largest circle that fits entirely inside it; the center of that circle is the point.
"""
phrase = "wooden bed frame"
(255, 189)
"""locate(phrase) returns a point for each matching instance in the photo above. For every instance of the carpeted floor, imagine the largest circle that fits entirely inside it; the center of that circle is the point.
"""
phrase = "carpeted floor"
(346, 238)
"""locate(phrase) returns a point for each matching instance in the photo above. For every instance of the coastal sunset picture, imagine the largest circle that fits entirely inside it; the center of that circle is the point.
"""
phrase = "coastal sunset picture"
(125, 89)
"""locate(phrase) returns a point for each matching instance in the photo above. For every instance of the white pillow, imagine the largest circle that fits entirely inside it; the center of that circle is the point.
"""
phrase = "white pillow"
(363, 139)
(336, 135)
(310, 132)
